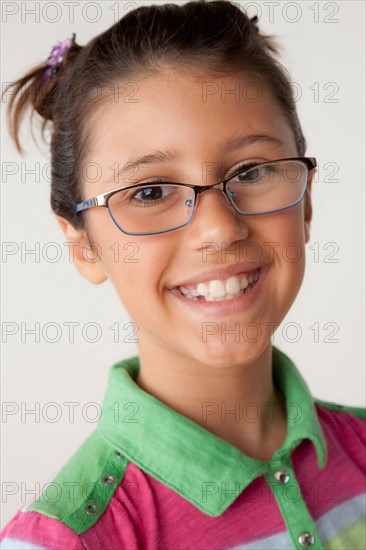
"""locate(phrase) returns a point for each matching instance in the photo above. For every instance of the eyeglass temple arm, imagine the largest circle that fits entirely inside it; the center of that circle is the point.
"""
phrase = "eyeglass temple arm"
(99, 200)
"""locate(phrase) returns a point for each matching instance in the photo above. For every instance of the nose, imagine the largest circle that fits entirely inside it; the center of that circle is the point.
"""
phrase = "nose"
(215, 220)
(219, 186)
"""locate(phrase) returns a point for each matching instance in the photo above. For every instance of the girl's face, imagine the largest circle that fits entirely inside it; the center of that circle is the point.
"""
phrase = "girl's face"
(193, 117)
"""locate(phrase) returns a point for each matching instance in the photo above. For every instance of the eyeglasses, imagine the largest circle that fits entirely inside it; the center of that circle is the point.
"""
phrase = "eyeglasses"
(161, 206)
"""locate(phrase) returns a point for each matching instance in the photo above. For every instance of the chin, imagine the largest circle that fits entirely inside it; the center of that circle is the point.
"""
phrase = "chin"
(226, 354)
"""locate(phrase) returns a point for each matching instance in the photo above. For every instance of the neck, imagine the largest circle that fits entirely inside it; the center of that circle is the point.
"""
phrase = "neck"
(239, 404)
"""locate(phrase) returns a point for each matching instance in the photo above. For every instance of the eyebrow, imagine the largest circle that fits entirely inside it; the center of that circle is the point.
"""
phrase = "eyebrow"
(152, 158)
(236, 142)
(231, 144)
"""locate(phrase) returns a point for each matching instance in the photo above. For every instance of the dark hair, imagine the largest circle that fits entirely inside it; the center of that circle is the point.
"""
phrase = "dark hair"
(215, 35)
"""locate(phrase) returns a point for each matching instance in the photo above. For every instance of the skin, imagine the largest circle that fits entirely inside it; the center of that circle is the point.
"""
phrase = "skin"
(176, 366)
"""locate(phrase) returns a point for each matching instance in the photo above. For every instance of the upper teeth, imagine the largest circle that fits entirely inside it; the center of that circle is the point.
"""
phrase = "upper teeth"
(216, 288)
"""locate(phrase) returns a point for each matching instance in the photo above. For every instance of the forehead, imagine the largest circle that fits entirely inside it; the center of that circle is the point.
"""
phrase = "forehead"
(189, 112)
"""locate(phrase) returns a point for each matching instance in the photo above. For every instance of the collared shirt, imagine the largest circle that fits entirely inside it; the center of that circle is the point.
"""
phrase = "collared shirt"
(149, 478)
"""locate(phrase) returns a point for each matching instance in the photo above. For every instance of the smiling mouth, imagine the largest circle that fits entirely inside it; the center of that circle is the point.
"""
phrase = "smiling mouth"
(221, 290)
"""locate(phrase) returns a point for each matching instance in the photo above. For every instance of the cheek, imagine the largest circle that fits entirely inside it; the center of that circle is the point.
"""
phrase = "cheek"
(287, 236)
(288, 248)
(136, 268)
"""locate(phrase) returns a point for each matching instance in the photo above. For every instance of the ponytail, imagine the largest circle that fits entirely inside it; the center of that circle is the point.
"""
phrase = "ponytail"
(36, 90)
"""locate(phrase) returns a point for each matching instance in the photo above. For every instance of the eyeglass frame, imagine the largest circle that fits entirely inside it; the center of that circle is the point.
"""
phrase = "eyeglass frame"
(102, 199)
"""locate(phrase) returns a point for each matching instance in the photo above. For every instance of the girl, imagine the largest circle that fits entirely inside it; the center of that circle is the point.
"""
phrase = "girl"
(209, 438)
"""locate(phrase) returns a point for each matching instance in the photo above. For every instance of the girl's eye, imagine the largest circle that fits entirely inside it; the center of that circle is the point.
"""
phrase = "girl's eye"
(252, 173)
(152, 195)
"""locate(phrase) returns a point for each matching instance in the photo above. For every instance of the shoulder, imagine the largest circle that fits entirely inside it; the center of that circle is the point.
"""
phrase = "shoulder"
(358, 412)
(72, 502)
(343, 422)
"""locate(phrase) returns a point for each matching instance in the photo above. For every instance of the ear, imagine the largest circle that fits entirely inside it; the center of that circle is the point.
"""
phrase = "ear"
(308, 208)
(84, 253)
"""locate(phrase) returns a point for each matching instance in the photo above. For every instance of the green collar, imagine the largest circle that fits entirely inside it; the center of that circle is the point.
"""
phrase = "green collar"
(185, 456)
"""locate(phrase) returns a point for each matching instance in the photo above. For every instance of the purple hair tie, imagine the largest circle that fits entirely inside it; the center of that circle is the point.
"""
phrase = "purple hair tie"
(56, 57)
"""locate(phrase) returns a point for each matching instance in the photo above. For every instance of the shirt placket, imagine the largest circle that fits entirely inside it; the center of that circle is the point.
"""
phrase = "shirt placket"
(301, 527)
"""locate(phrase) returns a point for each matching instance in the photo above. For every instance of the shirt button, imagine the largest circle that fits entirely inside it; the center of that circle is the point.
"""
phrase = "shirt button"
(91, 509)
(281, 476)
(108, 480)
(306, 539)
